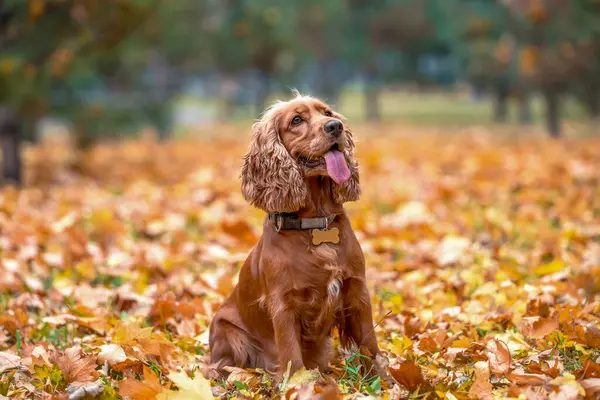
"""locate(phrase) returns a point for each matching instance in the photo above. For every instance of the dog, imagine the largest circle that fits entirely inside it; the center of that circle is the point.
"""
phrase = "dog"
(306, 275)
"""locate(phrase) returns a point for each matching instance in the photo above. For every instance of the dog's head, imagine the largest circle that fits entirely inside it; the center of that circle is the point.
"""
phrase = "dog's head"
(294, 140)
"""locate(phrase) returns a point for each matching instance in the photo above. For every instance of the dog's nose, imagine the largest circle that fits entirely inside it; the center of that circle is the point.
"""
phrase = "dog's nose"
(334, 127)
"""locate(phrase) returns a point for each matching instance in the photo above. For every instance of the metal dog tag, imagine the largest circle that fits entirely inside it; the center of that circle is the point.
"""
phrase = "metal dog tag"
(325, 236)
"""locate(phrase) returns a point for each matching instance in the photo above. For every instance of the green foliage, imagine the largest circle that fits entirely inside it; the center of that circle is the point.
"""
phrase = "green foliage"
(355, 378)
(111, 65)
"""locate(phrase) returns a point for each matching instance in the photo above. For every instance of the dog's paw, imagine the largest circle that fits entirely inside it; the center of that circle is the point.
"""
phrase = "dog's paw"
(213, 374)
(380, 366)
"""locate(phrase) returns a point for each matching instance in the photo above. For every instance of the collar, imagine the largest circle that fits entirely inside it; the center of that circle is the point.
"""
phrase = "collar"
(290, 221)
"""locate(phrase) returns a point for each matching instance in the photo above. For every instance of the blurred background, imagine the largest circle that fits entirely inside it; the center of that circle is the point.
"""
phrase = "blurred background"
(109, 69)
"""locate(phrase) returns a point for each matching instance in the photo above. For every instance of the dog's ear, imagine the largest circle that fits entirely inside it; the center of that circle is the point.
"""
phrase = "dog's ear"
(349, 190)
(271, 179)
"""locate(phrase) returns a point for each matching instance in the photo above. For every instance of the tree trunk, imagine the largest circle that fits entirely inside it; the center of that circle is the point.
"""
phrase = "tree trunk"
(501, 104)
(525, 114)
(262, 95)
(10, 138)
(593, 102)
(551, 98)
(159, 94)
(328, 82)
(372, 105)
(372, 89)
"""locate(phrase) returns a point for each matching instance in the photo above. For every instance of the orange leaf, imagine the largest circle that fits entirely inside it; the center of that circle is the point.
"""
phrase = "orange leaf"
(521, 377)
(538, 327)
(408, 374)
(428, 345)
(499, 357)
(76, 366)
(481, 388)
(141, 390)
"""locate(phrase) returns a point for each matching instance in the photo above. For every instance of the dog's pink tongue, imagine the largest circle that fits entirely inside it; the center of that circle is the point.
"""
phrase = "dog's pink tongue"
(336, 166)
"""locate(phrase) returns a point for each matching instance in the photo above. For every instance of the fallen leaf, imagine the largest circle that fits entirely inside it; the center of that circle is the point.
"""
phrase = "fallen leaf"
(481, 388)
(86, 391)
(9, 361)
(451, 249)
(408, 374)
(550, 268)
(538, 327)
(76, 366)
(499, 357)
(520, 377)
(591, 386)
(189, 389)
(111, 354)
(567, 388)
(141, 390)
(127, 333)
(244, 376)
(304, 376)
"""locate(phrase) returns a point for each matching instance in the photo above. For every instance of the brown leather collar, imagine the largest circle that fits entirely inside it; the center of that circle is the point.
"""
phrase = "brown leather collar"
(290, 221)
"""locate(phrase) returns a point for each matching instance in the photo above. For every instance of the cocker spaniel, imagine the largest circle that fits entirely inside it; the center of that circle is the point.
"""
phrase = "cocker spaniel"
(306, 275)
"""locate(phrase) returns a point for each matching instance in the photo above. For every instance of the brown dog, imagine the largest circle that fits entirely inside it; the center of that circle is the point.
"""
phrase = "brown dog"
(295, 288)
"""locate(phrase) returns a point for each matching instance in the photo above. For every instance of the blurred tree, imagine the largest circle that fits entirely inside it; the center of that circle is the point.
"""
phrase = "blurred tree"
(321, 29)
(47, 44)
(561, 51)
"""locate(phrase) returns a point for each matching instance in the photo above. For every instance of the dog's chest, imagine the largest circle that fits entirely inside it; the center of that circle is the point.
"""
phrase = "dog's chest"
(317, 308)
(318, 296)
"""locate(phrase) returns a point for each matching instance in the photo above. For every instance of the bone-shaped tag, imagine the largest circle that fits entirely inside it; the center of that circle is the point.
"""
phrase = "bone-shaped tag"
(326, 236)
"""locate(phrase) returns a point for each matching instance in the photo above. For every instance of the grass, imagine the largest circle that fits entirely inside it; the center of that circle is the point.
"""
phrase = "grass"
(443, 109)
(427, 109)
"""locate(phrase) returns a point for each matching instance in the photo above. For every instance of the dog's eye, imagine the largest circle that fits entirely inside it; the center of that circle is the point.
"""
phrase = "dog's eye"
(328, 113)
(296, 120)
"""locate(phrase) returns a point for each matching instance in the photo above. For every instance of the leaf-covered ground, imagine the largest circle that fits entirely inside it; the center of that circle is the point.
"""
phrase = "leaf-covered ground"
(483, 259)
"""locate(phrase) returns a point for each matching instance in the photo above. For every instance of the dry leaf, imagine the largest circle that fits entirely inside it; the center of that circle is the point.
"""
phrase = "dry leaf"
(111, 354)
(408, 374)
(9, 361)
(86, 391)
(189, 389)
(76, 366)
(538, 327)
(481, 388)
(591, 386)
(141, 390)
(148, 232)
(520, 377)
(499, 357)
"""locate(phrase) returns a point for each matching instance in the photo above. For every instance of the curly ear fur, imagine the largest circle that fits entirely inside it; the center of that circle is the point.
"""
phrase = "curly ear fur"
(271, 179)
(349, 190)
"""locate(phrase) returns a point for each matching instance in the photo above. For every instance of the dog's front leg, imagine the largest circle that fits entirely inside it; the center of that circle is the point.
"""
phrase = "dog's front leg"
(287, 339)
(357, 325)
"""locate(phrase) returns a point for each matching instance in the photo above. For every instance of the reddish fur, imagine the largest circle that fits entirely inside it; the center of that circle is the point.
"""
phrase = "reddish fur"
(289, 296)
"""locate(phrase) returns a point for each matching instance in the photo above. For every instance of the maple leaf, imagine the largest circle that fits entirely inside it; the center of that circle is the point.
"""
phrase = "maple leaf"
(141, 390)
(76, 366)
(128, 332)
(481, 388)
(538, 327)
(189, 389)
(408, 374)
(499, 357)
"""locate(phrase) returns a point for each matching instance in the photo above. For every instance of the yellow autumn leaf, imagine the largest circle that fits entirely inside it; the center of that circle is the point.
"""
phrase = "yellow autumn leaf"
(400, 345)
(197, 388)
(127, 332)
(550, 268)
